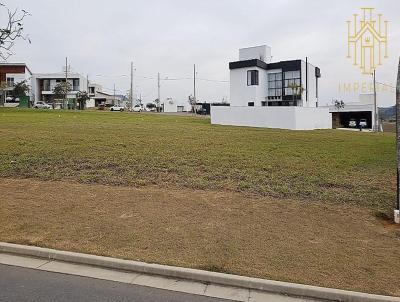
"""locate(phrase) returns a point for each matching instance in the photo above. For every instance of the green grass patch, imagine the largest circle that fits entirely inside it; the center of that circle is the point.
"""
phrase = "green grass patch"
(186, 152)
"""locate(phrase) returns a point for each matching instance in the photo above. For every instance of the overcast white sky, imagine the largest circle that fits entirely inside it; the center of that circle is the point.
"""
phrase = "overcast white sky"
(103, 37)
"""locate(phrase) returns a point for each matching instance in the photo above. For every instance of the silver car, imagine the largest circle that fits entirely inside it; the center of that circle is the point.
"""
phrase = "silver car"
(41, 105)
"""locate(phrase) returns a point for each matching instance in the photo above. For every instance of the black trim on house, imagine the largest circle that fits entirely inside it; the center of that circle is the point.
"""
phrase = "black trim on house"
(292, 65)
(248, 63)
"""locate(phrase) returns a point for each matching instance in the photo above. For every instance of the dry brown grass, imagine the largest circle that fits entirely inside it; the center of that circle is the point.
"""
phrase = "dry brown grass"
(389, 127)
(305, 242)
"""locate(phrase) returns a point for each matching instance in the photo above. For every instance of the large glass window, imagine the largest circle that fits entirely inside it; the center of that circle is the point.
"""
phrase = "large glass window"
(252, 77)
(275, 85)
(10, 82)
(292, 82)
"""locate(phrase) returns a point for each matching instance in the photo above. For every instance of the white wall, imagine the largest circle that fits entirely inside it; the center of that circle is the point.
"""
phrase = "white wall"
(293, 118)
(18, 77)
(241, 94)
(90, 103)
(262, 53)
(312, 84)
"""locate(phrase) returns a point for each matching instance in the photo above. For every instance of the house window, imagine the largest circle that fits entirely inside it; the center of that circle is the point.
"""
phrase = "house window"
(252, 77)
(292, 82)
(10, 82)
(275, 85)
(46, 85)
(264, 103)
(75, 84)
(250, 104)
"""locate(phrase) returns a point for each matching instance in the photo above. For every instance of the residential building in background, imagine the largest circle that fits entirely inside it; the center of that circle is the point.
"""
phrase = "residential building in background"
(272, 94)
(256, 81)
(43, 85)
(170, 105)
(10, 75)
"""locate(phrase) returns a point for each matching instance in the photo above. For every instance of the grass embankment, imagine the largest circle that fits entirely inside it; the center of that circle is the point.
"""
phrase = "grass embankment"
(330, 245)
(185, 152)
(283, 205)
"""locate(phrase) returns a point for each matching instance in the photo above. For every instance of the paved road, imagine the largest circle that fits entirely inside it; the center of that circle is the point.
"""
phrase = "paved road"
(21, 284)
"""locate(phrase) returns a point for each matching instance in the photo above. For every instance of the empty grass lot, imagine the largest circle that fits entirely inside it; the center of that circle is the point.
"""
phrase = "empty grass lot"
(293, 206)
(185, 152)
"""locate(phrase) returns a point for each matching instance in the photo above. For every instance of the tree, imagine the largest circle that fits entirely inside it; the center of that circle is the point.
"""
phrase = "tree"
(192, 102)
(3, 87)
(297, 90)
(11, 31)
(20, 90)
(157, 102)
(339, 104)
(61, 90)
(81, 98)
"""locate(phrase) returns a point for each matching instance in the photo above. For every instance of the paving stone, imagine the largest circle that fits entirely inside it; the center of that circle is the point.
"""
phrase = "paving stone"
(154, 281)
(225, 292)
(89, 271)
(21, 261)
(258, 296)
(190, 287)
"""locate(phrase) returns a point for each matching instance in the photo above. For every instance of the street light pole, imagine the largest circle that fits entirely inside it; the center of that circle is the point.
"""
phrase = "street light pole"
(131, 91)
(158, 92)
(194, 89)
(66, 82)
(114, 96)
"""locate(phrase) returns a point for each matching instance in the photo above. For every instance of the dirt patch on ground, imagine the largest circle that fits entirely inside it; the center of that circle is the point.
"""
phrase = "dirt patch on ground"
(305, 242)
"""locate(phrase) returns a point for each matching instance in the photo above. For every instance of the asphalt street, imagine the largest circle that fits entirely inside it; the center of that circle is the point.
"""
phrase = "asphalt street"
(21, 284)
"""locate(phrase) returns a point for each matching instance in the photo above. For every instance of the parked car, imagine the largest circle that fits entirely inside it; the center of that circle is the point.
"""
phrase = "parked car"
(352, 123)
(137, 108)
(116, 108)
(41, 105)
(363, 123)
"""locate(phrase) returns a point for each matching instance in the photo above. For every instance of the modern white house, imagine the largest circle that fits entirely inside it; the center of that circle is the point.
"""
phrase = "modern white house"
(42, 86)
(98, 97)
(272, 94)
(12, 74)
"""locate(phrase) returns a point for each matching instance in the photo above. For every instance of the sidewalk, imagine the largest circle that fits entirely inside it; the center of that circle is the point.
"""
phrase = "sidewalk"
(172, 284)
(198, 282)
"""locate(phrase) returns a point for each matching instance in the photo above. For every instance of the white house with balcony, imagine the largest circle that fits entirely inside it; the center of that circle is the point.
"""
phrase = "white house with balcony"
(43, 84)
(272, 94)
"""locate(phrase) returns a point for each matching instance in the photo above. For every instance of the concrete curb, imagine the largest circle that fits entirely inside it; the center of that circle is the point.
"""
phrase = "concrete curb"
(277, 287)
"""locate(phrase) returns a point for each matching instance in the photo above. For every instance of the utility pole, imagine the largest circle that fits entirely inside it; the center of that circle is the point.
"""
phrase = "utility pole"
(114, 94)
(376, 127)
(158, 93)
(194, 88)
(131, 91)
(66, 81)
(397, 210)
